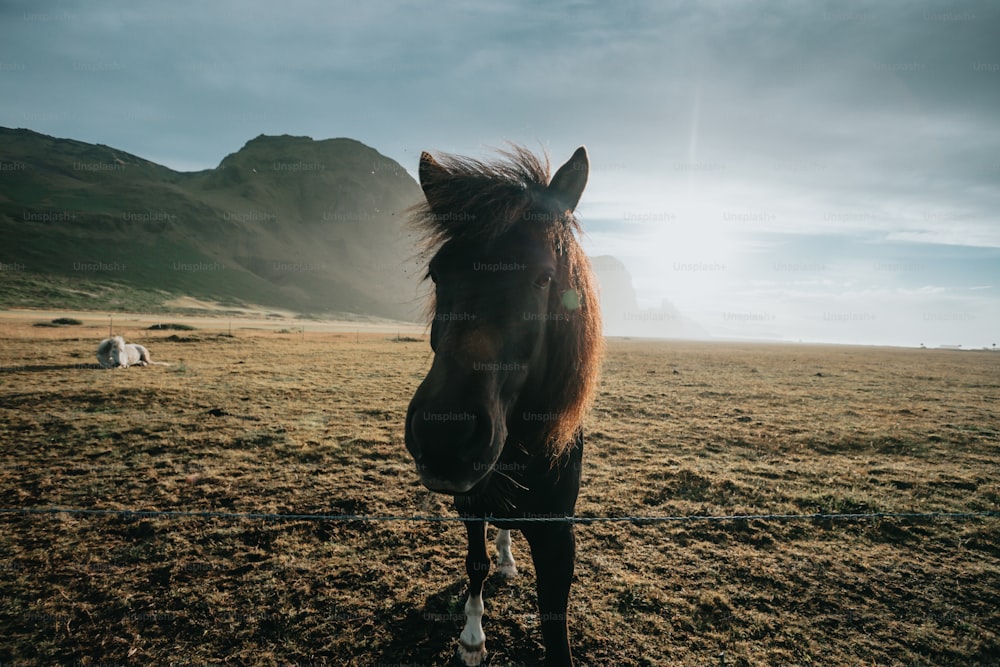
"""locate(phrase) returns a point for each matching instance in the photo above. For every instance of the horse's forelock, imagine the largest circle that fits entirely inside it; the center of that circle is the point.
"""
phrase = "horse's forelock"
(476, 199)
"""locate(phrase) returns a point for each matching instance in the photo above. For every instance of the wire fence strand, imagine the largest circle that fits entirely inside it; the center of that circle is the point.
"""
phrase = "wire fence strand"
(132, 515)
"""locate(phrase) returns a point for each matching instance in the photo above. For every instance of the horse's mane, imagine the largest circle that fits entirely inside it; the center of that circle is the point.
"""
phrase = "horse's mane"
(470, 201)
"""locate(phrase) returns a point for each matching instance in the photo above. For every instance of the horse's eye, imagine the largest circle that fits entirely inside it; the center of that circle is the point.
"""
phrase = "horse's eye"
(543, 281)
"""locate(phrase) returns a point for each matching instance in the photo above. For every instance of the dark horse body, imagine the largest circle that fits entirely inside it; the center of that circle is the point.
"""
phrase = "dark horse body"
(517, 339)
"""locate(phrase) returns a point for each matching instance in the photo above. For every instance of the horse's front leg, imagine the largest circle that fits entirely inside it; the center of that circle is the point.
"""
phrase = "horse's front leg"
(505, 558)
(553, 550)
(472, 642)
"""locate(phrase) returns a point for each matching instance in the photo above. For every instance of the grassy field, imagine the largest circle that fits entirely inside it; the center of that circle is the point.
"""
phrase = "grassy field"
(262, 421)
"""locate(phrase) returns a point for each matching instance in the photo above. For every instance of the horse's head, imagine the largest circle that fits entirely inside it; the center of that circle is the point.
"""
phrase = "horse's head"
(119, 357)
(510, 283)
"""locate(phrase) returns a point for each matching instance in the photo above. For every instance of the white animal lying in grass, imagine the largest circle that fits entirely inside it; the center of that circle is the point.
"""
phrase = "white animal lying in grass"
(115, 352)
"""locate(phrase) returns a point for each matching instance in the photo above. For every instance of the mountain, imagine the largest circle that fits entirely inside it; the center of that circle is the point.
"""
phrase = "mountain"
(622, 315)
(285, 222)
(311, 226)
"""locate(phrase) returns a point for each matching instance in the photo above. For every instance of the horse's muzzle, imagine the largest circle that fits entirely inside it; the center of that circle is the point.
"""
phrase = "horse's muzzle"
(453, 450)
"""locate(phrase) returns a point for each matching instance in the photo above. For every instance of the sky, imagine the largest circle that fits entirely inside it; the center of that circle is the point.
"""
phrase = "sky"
(787, 171)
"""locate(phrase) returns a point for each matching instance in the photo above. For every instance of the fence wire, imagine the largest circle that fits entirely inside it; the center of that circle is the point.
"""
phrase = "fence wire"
(134, 515)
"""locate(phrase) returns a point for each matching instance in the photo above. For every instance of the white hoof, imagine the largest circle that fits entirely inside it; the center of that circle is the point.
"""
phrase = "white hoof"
(474, 656)
(507, 570)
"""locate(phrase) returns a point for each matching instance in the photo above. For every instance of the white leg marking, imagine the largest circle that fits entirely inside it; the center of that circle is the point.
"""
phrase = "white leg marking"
(472, 641)
(505, 559)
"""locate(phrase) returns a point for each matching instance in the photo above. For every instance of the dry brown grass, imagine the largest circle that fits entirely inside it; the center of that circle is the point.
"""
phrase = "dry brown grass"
(269, 422)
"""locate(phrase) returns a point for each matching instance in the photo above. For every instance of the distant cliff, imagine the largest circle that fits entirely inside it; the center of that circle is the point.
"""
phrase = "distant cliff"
(622, 315)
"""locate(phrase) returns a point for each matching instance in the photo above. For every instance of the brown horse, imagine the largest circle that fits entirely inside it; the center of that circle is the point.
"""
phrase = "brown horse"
(517, 341)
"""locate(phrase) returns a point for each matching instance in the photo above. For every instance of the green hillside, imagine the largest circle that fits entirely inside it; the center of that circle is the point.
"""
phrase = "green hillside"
(312, 226)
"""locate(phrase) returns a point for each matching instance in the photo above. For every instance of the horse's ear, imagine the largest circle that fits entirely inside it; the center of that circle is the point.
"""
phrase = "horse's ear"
(429, 171)
(567, 185)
